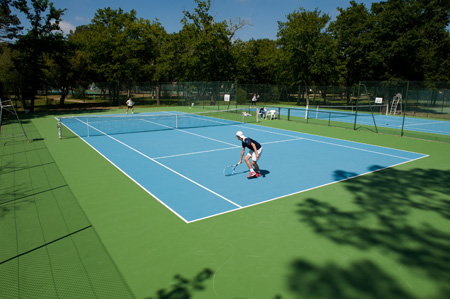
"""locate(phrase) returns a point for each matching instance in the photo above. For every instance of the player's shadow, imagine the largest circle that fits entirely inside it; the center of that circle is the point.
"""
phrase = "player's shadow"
(264, 172)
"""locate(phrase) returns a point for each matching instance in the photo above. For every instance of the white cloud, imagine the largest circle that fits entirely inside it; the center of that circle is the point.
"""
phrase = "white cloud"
(80, 19)
(66, 27)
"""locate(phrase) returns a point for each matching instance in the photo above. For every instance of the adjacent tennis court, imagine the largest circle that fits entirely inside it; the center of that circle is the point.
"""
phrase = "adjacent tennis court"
(190, 152)
(368, 116)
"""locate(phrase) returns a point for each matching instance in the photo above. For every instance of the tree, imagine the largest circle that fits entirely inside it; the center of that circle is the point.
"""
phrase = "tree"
(351, 31)
(9, 77)
(9, 27)
(121, 47)
(39, 40)
(257, 61)
(411, 36)
(206, 47)
(168, 65)
(299, 38)
(60, 71)
(9, 23)
(435, 45)
(308, 53)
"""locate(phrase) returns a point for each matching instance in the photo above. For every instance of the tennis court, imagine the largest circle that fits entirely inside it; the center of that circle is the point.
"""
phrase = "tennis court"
(193, 156)
(363, 116)
(338, 213)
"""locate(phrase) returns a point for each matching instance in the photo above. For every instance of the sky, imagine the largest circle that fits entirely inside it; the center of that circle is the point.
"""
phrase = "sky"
(262, 15)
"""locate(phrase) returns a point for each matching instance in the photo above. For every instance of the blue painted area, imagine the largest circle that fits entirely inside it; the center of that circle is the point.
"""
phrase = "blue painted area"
(389, 121)
(186, 199)
(183, 169)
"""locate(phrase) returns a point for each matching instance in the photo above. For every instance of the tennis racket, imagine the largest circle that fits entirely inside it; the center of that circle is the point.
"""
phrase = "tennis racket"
(229, 170)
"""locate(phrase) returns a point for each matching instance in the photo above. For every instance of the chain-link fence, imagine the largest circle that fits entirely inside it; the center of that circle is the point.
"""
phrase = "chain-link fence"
(416, 109)
(404, 101)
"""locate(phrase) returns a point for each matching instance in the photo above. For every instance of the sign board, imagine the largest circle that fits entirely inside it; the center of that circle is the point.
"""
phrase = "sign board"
(378, 100)
(226, 98)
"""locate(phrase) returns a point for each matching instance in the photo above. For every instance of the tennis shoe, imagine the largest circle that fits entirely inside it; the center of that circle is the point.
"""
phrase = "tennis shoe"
(251, 175)
(257, 175)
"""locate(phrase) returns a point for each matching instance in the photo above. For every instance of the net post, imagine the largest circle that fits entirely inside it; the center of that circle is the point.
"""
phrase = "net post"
(404, 110)
(59, 128)
(357, 102)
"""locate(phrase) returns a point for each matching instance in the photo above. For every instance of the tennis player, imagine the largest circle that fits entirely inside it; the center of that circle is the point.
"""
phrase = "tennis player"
(130, 104)
(254, 99)
(254, 153)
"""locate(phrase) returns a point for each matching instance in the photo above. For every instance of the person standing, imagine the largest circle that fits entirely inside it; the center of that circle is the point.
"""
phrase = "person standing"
(255, 150)
(130, 104)
(254, 99)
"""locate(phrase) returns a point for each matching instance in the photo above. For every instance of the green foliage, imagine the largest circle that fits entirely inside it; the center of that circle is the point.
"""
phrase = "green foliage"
(391, 40)
(301, 40)
(241, 95)
(256, 61)
(32, 47)
(9, 23)
(351, 33)
(120, 46)
(205, 47)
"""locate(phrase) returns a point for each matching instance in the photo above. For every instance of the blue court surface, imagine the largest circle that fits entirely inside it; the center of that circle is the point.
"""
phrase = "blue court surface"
(183, 168)
(432, 126)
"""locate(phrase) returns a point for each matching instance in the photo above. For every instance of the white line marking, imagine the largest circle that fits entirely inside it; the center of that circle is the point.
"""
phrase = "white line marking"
(220, 149)
(422, 124)
(305, 190)
(126, 174)
(295, 138)
(195, 153)
(208, 138)
(168, 168)
(337, 144)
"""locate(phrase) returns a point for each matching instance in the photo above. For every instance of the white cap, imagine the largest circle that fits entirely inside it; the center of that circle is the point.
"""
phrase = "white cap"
(240, 134)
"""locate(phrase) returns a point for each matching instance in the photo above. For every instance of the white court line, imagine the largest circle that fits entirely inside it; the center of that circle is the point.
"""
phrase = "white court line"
(295, 138)
(168, 168)
(336, 144)
(195, 153)
(305, 190)
(424, 124)
(208, 138)
(276, 133)
(220, 149)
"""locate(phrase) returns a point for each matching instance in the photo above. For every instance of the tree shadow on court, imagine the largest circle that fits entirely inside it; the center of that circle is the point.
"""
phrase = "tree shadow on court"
(359, 280)
(184, 288)
(390, 213)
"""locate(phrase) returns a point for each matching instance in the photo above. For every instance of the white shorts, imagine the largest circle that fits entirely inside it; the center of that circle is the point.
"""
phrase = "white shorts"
(253, 155)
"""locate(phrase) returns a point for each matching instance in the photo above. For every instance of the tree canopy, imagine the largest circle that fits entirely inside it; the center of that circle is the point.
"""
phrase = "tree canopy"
(391, 40)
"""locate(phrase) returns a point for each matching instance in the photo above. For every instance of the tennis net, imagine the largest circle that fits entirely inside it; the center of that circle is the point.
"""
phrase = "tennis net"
(86, 126)
(327, 112)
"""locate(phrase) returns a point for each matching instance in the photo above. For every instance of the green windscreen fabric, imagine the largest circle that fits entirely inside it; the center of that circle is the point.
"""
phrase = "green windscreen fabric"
(48, 248)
